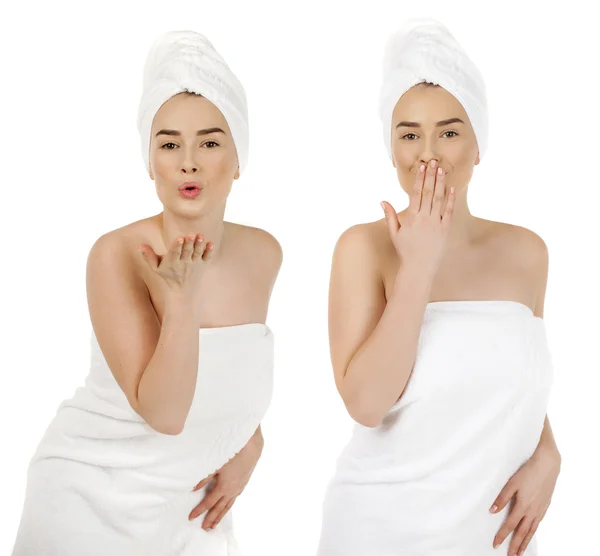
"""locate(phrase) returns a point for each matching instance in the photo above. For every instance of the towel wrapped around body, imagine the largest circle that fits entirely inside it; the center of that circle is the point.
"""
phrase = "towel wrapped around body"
(102, 481)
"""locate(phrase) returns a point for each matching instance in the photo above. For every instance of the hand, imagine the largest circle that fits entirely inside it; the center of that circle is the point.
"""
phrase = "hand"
(183, 264)
(230, 481)
(533, 485)
(421, 239)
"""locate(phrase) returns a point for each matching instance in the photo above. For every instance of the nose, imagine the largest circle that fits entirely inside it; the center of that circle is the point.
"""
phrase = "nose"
(429, 152)
(189, 164)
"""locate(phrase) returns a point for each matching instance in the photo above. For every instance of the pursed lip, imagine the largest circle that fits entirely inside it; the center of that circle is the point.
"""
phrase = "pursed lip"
(195, 184)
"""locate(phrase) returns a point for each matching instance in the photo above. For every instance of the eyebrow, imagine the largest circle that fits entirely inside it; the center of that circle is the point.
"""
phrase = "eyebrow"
(200, 132)
(438, 124)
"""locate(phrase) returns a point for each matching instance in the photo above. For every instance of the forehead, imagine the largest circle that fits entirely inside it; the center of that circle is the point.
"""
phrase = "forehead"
(188, 112)
(425, 104)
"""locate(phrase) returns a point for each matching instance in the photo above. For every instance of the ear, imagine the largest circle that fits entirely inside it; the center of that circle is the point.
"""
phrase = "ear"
(477, 159)
(237, 173)
(150, 173)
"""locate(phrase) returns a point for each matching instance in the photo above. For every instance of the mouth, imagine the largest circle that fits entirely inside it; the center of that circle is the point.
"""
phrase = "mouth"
(190, 186)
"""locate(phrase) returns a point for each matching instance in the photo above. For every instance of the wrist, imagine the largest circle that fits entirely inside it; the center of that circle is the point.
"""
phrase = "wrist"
(548, 450)
(412, 279)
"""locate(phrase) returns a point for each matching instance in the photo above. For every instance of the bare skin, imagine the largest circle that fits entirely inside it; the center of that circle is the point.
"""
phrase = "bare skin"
(425, 254)
(148, 296)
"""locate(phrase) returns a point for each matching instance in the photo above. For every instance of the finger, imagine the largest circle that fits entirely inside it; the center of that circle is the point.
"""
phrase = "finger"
(199, 247)
(529, 536)
(151, 258)
(223, 512)
(391, 217)
(177, 246)
(513, 520)
(520, 532)
(209, 252)
(439, 192)
(203, 483)
(188, 247)
(210, 518)
(208, 502)
(449, 210)
(428, 187)
(415, 197)
(504, 497)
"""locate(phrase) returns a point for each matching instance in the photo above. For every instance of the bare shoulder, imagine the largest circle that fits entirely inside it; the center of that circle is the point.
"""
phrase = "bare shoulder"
(528, 252)
(257, 239)
(367, 239)
(122, 243)
(524, 243)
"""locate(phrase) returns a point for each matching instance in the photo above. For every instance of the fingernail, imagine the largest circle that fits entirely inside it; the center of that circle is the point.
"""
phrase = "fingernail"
(382, 206)
(496, 545)
(432, 163)
(439, 171)
(493, 508)
(422, 168)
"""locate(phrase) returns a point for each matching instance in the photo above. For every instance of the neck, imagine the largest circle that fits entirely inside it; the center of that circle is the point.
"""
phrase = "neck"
(464, 226)
(211, 226)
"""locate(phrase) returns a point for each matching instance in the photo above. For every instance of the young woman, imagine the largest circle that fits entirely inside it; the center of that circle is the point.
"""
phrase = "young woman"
(437, 338)
(167, 426)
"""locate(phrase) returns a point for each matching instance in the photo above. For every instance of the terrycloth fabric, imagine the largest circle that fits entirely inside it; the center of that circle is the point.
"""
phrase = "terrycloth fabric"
(187, 61)
(102, 482)
(424, 50)
(422, 483)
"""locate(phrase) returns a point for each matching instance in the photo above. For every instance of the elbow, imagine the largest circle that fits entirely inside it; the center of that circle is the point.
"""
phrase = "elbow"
(172, 429)
(364, 414)
(366, 419)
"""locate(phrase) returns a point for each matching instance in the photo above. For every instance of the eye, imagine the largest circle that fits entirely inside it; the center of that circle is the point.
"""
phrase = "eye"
(450, 131)
(405, 136)
(211, 143)
(166, 148)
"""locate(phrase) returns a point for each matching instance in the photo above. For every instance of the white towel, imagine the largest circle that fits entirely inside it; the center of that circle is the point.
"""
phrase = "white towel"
(422, 483)
(187, 61)
(424, 50)
(102, 482)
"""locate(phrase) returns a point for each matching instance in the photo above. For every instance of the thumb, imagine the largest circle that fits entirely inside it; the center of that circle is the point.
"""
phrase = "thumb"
(391, 217)
(149, 255)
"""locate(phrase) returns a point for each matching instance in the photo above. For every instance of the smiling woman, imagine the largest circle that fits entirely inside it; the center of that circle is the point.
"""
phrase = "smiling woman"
(167, 425)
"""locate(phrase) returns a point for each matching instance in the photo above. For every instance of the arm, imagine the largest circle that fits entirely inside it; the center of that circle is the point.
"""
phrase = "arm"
(547, 443)
(539, 254)
(373, 343)
(155, 366)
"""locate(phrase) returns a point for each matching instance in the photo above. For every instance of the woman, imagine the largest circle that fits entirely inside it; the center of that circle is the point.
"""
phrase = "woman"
(441, 355)
(166, 428)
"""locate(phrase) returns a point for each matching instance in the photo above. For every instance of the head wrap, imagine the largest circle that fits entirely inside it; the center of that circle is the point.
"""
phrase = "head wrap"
(424, 50)
(186, 61)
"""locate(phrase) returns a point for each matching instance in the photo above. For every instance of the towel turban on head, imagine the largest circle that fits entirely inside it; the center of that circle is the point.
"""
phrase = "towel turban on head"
(181, 61)
(424, 50)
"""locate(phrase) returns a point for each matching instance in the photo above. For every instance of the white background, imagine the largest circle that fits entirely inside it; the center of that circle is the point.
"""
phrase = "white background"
(72, 170)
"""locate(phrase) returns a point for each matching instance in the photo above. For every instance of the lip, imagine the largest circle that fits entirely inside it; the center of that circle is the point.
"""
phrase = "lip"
(195, 184)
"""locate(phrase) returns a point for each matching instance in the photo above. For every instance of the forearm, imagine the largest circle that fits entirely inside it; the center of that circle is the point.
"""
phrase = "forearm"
(379, 371)
(168, 384)
(547, 441)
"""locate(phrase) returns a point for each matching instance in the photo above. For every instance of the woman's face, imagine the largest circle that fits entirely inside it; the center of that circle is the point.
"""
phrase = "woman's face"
(191, 141)
(418, 138)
